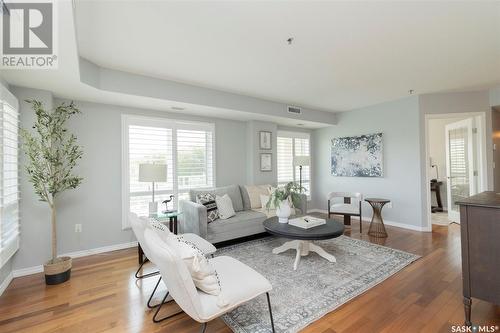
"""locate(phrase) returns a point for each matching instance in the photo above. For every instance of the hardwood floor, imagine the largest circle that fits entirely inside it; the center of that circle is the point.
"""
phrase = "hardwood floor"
(104, 296)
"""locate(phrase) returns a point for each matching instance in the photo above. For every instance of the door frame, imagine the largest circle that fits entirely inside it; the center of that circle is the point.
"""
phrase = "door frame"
(482, 184)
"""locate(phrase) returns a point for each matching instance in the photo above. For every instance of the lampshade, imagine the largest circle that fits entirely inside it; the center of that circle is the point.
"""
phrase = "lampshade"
(152, 172)
(301, 160)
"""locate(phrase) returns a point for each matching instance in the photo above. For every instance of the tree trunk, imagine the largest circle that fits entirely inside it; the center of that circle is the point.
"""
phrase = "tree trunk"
(54, 232)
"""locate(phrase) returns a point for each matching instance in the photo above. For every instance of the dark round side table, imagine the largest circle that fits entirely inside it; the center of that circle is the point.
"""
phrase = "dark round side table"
(377, 228)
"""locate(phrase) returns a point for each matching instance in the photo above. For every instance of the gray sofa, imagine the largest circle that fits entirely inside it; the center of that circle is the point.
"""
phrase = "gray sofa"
(246, 222)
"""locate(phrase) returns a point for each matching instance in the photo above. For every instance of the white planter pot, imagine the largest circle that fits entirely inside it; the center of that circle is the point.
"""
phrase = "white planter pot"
(283, 211)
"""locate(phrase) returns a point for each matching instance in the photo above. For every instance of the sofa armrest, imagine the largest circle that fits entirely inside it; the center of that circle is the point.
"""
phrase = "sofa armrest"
(303, 204)
(194, 218)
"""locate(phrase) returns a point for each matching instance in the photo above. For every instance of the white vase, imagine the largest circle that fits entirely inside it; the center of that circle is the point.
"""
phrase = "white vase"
(283, 211)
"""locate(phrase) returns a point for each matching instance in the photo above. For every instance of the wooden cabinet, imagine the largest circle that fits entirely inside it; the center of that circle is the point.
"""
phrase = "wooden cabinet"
(480, 238)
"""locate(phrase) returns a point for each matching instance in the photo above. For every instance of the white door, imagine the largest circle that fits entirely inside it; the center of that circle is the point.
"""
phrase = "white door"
(460, 169)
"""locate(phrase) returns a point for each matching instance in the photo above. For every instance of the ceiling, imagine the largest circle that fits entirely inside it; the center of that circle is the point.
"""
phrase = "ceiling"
(344, 55)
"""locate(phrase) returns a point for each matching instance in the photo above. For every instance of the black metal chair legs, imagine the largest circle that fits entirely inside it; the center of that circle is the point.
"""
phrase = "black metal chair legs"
(137, 276)
(157, 320)
(270, 311)
(152, 294)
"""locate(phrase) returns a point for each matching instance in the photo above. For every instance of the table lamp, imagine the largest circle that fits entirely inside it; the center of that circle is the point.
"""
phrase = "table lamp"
(153, 173)
(301, 161)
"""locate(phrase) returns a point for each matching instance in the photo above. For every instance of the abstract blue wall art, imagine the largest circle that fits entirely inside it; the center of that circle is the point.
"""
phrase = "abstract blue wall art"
(357, 156)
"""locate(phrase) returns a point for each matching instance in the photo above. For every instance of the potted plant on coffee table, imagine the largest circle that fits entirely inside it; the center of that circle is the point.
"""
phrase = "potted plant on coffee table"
(52, 153)
(283, 198)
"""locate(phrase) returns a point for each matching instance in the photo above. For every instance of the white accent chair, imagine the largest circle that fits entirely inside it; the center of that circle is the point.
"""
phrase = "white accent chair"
(239, 283)
(351, 206)
(140, 224)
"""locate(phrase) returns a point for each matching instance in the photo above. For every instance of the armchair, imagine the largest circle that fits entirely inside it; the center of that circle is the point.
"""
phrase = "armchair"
(239, 284)
(139, 225)
(347, 208)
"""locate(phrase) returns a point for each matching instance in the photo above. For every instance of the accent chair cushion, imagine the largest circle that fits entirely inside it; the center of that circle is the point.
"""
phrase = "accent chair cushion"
(345, 208)
(239, 283)
(202, 272)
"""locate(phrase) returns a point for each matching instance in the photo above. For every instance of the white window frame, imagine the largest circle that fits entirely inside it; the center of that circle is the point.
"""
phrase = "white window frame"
(298, 135)
(174, 125)
(8, 250)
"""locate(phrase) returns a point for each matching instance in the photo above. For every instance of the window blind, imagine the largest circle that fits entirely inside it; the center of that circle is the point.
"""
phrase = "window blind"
(186, 148)
(9, 176)
(290, 144)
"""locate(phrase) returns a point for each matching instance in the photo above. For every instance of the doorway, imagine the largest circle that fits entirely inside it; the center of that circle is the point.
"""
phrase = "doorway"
(456, 169)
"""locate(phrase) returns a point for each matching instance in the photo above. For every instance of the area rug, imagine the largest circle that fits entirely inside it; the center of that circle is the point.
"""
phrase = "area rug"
(317, 286)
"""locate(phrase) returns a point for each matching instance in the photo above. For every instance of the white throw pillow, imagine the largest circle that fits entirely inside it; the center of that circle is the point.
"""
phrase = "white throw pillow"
(225, 206)
(202, 272)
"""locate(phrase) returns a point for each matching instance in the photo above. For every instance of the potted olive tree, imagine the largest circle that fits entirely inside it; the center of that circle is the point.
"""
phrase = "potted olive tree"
(52, 154)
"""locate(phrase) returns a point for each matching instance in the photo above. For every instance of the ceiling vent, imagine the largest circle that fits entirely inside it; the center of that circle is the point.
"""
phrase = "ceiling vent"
(294, 109)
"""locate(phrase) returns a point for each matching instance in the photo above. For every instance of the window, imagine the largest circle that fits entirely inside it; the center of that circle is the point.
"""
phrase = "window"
(292, 144)
(186, 147)
(9, 176)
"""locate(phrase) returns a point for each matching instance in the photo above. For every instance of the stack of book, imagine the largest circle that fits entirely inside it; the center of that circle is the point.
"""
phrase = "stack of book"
(306, 222)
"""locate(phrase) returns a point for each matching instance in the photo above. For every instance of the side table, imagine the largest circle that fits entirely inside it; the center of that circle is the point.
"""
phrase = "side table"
(377, 228)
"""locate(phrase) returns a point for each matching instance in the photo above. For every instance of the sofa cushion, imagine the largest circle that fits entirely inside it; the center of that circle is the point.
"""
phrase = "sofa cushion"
(232, 190)
(254, 192)
(239, 221)
(245, 197)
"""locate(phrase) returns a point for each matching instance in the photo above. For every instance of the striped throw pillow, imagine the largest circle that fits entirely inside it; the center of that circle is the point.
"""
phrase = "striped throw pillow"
(208, 200)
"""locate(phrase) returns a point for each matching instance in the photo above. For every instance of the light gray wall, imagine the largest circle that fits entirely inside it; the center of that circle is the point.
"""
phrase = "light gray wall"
(96, 204)
(398, 121)
(254, 175)
(494, 96)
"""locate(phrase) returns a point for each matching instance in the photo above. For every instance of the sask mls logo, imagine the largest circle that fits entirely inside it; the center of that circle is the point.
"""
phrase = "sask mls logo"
(28, 34)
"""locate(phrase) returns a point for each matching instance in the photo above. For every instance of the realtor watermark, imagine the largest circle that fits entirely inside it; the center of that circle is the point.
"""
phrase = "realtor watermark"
(29, 39)
(474, 329)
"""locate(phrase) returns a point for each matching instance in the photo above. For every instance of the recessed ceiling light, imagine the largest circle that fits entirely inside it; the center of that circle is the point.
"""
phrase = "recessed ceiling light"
(290, 40)
(177, 108)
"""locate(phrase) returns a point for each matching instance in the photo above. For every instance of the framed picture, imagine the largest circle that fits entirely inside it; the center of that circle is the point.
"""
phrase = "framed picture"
(265, 140)
(266, 162)
(357, 156)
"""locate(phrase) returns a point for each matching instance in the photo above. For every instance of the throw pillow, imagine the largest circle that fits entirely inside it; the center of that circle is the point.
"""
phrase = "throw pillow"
(202, 272)
(225, 206)
(161, 229)
(254, 192)
(208, 200)
(264, 199)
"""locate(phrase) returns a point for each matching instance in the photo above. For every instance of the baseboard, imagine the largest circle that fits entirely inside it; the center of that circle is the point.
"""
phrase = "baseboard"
(27, 271)
(8, 279)
(76, 254)
(109, 248)
(388, 222)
